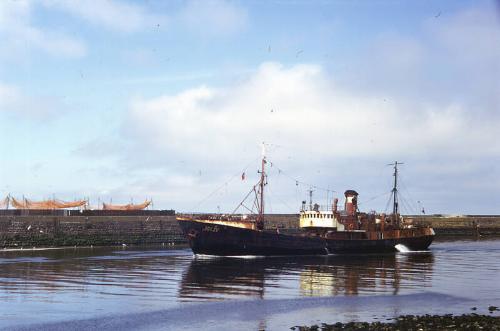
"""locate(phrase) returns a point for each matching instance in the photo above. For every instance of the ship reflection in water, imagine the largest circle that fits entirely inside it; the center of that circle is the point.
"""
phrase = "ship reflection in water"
(220, 278)
(354, 275)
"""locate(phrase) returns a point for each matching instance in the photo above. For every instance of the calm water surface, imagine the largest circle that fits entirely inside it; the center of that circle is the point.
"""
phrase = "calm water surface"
(164, 288)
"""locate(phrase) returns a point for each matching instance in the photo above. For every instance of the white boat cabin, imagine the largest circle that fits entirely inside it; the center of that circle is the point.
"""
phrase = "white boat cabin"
(319, 219)
(328, 218)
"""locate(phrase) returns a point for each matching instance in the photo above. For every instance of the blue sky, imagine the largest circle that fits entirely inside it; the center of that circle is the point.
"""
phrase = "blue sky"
(169, 100)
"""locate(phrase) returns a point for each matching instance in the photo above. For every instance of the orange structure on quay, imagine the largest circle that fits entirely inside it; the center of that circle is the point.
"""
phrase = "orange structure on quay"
(51, 204)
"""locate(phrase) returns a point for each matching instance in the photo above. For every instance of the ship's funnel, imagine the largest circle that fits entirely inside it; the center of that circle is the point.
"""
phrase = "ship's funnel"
(351, 202)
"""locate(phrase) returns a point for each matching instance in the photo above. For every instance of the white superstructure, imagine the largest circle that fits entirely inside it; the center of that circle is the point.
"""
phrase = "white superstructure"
(319, 219)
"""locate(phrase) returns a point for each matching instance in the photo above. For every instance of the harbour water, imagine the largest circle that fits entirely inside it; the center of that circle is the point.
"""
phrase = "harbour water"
(162, 288)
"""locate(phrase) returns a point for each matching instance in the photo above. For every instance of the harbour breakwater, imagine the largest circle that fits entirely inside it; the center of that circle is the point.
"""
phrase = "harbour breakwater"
(18, 230)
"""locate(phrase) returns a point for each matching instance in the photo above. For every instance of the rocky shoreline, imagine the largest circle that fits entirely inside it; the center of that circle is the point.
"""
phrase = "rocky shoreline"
(416, 323)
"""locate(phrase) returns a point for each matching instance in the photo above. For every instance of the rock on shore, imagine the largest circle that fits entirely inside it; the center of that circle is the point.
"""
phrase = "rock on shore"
(416, 323)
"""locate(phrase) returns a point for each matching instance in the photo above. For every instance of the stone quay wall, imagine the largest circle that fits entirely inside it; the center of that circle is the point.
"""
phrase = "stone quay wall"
(52, 231)
(485, 225)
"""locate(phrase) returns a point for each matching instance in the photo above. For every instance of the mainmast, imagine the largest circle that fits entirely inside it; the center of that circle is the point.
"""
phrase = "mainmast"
(395, 206)
(260, 218)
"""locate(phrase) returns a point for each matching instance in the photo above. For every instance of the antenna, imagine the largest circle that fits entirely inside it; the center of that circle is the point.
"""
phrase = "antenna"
(310, 198)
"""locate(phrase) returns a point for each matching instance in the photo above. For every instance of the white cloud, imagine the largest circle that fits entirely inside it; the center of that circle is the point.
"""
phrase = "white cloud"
(19, 35)
(115, 15)
(450, 59)
(140, 57)
(298, 107)
(214, 17)
(13, 101)
(9, 96)
(301, 109)
(410, 107)
(53, 43)
(471, 35)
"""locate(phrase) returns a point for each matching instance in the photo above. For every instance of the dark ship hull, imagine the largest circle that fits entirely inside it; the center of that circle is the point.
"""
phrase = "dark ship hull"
(224, 240)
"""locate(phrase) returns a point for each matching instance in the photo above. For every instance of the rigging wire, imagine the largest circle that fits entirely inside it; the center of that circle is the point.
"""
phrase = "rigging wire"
(241, 204)
(238, 174)
(407, 205)
(255, 200)
(414, 207)
(297, 182)
(373, 198)
(277, 196)
(388, 202)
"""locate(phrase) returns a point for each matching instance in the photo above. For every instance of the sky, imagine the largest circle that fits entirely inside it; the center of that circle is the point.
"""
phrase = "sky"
(120, 101)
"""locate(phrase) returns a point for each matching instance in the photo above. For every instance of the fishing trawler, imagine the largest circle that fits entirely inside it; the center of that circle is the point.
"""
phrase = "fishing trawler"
(329, 231)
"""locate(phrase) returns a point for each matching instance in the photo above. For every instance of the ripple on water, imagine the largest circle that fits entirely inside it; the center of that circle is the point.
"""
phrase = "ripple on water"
(106, 280)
